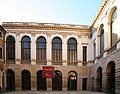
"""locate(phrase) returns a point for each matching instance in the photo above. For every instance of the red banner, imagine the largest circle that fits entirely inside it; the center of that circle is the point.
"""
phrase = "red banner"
(48, 71)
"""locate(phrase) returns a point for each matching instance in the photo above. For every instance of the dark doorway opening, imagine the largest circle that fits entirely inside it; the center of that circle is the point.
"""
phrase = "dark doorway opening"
(84, 85)
(10, 80)
(110, 86)
(99, 79)
(57, 81)
(26, 80)
(41, 82)
(72, 80)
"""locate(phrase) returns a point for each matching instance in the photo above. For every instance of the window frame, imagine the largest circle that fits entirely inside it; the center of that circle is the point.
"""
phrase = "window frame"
(41, 50)
(85, 50)
(57, 50)
(26, 49)
(10, 48)
(72, 52)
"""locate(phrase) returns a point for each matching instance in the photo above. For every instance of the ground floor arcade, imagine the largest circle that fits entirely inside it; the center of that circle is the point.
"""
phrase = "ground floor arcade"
(65, 78)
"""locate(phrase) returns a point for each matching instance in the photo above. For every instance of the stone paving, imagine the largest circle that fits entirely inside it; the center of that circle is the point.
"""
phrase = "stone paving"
(52, 92)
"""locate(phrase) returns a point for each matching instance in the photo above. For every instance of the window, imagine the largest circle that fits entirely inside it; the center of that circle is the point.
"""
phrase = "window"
(114, 35)
(94, 47)
(25, 48)
(10, 48)
(84, 53)
(101, 40)
(41, 49)
(72, 50)
(0, 35)
(57, 50)
(0, 53)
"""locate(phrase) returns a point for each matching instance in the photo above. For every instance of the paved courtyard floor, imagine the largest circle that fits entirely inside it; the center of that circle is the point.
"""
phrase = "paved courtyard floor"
(53, 92)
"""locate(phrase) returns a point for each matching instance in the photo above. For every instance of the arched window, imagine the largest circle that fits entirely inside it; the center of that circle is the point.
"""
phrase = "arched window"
(56, 50)
(41, 49)
(101, 39)
(72, 50)
(25, 48)
(10, 48)
(113, 22)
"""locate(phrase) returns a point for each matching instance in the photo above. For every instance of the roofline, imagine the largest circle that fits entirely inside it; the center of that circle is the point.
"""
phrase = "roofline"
(27, 25)
(104, 3)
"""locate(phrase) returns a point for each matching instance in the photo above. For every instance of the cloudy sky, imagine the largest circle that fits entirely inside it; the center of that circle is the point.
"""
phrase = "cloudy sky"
(49, 11)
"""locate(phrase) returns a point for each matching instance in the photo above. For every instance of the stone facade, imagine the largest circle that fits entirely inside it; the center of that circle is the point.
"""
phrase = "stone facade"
(65, 32)
(2, 36)
(95, 63)
(106, 64)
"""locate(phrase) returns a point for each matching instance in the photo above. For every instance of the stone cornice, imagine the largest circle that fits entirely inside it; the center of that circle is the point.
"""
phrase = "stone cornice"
(45, 26)
(100, 11)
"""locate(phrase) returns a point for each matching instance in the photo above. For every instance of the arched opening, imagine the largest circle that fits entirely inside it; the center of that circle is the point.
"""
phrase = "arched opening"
(110, 84)
(99, 79)
(10, 48)
(101, 34)
(112, 20)
(26, 80)
(57, 51)
(41, 50)
(57, 81)
(25, 48)
(10, 80)
(72, 51)
(72, 80)
(41, 82)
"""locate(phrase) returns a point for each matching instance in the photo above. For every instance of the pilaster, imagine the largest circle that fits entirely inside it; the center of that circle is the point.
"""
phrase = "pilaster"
(64, 50)
(49, 48)
(17, 49)
(64, 82)
(33, 50)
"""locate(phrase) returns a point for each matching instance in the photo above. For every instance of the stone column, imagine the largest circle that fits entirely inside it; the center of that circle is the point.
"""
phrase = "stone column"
(104, 81)
(17, 49)
(0, 79)
(117, 74)
(49, 84)
(33, 50)
(49, 48)
(18, 82)
(64, 50)
(64, 82)
(106, 41)
(79, 51)
(33, 82)
(5, 82)
(79, 83)
(98, 46)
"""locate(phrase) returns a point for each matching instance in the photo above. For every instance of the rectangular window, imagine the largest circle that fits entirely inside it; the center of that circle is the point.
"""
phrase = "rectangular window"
(0, 53)
(84, 53)
(94, 49)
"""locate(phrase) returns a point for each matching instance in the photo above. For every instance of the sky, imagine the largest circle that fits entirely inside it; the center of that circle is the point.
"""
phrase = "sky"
(49, 11)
